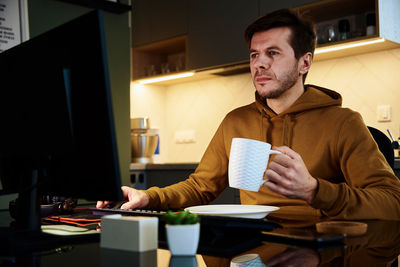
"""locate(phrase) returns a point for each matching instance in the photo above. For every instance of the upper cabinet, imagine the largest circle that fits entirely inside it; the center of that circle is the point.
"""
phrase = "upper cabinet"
(157, 20)
(216, 31)
(267, 6)
(177, 35)
(346, 28)
(159, 30)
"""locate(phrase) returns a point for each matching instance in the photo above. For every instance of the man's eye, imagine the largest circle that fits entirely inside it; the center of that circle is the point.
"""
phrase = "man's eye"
(272, 53)
(254, 55)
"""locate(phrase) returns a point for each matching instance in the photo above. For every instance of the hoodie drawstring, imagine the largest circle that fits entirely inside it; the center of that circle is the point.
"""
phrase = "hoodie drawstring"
(287, 129)
(265, 126)
(287, 132)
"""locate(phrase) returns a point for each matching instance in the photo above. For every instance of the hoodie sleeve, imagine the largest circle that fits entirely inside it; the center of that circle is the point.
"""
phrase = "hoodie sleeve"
(202, 186)
(371, 190)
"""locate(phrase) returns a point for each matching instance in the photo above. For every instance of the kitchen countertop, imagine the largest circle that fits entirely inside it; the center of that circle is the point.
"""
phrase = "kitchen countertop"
(193, 165)
(163, 166)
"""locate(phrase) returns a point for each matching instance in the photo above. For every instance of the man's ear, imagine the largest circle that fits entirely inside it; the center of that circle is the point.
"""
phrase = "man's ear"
(305, 63)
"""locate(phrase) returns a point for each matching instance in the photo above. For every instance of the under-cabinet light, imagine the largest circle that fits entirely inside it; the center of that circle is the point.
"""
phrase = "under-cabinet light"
(166, 78)
(350, 45)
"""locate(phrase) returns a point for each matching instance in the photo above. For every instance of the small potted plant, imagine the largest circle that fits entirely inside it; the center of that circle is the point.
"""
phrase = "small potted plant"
(183, 232)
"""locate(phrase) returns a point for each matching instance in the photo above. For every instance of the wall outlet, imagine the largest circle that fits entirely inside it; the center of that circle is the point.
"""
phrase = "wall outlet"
(384, 113)
(185, 137)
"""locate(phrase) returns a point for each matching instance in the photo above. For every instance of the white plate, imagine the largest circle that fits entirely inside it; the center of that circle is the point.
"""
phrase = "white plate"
(240, 211)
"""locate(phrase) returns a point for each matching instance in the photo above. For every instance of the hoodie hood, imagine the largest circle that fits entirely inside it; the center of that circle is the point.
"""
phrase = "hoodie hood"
(314, 97)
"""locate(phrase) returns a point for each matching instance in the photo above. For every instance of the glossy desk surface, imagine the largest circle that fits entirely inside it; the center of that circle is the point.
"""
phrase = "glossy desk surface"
(380, 246)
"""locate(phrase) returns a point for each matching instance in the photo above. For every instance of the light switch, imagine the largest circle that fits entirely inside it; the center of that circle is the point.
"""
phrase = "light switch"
(384, 113)
(185, 137)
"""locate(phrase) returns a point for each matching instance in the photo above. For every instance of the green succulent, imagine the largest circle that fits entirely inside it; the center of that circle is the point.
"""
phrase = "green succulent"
(181, 217)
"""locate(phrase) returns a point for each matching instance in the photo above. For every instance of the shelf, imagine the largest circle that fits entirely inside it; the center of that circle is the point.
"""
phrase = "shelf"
(202, 74)
(163, 57)
(353, 47)
(114, 7)
(329, 12)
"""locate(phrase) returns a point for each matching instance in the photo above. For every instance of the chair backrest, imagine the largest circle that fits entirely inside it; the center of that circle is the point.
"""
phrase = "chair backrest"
(384, 144)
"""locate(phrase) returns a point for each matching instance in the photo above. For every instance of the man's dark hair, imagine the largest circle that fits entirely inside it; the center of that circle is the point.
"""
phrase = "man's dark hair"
(302, 38)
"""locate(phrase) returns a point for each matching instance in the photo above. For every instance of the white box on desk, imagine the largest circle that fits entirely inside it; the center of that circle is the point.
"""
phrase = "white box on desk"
(132, 233)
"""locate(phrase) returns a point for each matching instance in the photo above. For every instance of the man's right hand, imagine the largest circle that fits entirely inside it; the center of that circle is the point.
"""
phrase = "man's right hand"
(136, 199)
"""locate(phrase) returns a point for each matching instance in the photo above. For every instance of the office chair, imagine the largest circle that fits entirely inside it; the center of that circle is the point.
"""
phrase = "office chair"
(384, 144)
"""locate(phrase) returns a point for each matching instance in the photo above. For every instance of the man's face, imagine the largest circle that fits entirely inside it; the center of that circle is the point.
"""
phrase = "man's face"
(273, 65)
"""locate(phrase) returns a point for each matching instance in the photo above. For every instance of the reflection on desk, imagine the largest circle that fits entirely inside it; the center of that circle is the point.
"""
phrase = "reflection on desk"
(380, 246)
(113, 257)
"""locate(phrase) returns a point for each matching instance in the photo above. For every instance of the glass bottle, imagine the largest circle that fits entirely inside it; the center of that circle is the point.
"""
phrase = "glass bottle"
(344, 29)
(332, 36)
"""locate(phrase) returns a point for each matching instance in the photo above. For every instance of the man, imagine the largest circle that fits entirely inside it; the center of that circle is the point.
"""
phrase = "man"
(329, 166)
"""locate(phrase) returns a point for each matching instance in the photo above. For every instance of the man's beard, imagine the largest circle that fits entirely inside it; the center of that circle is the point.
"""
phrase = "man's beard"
(287, 81)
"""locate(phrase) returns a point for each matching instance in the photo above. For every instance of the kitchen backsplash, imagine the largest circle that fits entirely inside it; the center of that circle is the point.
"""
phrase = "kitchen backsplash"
(365, 81)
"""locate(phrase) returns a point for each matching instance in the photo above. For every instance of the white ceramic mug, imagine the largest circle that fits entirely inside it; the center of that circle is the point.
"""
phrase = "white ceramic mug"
(248, 161)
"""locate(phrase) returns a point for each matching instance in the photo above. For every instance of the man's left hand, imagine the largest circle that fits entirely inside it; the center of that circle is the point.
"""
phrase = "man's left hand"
(288, 175)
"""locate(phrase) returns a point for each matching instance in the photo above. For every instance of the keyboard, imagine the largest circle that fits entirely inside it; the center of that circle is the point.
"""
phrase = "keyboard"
(205, 220)
(136, 212)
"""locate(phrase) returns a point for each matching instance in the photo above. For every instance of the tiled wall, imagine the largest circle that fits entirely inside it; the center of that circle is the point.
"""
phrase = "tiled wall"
(364, 81)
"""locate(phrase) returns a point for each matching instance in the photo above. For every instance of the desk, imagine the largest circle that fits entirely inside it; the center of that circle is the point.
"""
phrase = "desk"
(380, 246)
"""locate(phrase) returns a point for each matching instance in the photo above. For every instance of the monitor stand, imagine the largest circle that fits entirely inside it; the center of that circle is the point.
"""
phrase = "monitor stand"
(28, 206)
(24, 235)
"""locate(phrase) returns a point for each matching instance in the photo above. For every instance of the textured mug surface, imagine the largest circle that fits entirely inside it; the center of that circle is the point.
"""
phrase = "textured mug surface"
(248, 161)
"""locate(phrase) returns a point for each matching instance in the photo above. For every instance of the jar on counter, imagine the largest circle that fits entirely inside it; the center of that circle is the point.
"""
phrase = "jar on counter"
(371, 24)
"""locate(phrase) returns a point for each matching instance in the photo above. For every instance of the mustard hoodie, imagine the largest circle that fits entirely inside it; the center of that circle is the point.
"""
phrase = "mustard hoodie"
(354, 179)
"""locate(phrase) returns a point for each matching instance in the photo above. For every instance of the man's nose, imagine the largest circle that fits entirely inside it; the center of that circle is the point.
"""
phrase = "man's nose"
(263, 62)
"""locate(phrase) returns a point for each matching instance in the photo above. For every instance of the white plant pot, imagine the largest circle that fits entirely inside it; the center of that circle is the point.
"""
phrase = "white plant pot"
(183, 239)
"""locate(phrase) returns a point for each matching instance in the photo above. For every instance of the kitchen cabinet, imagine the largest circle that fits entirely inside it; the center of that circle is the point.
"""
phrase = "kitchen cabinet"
(215, 35)
(267, 6)
(202, 34)
(158, 20)
(159, 31)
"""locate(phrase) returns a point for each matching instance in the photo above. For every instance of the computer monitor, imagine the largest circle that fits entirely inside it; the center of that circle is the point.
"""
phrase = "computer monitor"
(57, 134)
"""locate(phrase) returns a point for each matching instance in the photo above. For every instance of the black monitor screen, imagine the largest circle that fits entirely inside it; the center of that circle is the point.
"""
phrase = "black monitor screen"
(56, 118)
